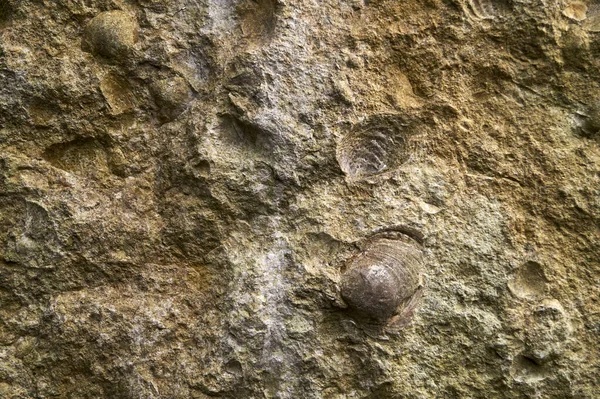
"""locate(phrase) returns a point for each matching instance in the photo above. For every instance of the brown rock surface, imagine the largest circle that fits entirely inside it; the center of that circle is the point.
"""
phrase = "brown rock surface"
(182, 183)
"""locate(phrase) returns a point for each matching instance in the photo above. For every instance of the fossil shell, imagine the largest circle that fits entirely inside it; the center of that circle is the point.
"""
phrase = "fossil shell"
(381, 279)
(576, 11)
(111, 34)
(486, 9)
(373, 147)
(172, 96)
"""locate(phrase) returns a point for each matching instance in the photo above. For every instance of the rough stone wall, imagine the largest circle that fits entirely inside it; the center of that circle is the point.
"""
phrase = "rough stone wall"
(299, 199)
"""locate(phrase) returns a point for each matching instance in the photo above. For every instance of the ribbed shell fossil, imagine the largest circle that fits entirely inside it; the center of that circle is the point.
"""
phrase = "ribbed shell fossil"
(381, 281)
(486, 9)
(373, 147)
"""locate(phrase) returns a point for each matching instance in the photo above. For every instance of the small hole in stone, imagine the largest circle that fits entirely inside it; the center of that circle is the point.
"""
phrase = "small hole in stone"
(203, 168)
(234, 367)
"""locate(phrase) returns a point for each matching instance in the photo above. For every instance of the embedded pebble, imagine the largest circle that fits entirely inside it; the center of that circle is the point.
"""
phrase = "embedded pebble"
(111, 34)
(172, 96)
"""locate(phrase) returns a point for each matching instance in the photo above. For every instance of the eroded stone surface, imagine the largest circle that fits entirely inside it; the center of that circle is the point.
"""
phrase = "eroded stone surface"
(182, 181)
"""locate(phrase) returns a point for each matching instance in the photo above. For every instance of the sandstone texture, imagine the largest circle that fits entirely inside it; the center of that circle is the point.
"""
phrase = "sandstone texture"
(188, 187)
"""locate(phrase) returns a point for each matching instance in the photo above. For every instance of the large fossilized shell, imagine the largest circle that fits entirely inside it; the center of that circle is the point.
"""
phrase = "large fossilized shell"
(383, 278)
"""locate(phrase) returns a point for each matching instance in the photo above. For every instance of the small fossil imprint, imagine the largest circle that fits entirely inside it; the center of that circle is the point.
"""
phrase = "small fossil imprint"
(525, 368)
(383, 283)
(373, 147)
(576, 11)
(485, 9)
(111, 34)
(118, 94)
(245, 134)
(529, 281)
(43, 112)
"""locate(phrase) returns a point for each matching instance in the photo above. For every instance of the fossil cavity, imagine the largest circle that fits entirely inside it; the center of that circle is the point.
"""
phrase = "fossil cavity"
(111, 34)
(381, 282)
(378, 145)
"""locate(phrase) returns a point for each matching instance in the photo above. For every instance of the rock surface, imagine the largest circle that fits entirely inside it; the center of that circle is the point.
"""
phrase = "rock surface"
(182, 183)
